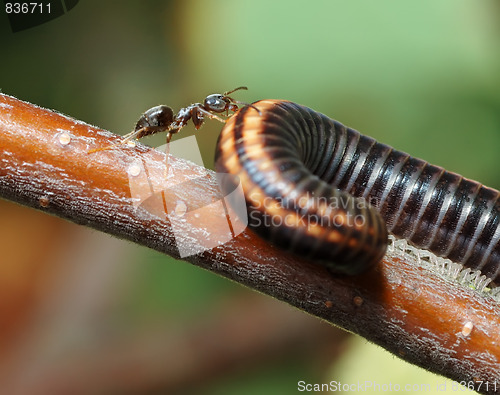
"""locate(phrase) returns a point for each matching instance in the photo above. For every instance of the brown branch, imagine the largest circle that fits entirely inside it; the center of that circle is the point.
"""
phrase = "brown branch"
(407, 309)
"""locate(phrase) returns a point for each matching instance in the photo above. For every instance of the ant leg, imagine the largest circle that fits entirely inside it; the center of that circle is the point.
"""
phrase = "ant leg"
(167, 152)
(123, 141)
(210, 115)
(135, 134)
(247, 105)
(170, 132)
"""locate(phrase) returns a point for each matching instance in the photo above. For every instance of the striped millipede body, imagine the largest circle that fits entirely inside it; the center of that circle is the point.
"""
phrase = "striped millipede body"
(307, 181)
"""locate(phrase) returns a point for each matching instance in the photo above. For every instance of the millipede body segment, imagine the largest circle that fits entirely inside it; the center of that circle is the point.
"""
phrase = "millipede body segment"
(324, 191)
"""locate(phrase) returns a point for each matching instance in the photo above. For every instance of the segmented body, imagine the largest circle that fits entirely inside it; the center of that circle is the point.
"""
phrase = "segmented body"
(316, 174)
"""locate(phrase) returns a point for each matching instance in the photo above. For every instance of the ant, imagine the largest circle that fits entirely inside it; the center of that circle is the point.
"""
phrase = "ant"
(161, 118)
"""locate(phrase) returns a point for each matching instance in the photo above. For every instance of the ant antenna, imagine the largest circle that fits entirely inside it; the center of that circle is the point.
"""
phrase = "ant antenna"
(234, 90)
(240, 102)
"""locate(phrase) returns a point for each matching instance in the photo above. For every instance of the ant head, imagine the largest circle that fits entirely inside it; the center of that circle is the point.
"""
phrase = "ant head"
(220, 102)
(216, 102)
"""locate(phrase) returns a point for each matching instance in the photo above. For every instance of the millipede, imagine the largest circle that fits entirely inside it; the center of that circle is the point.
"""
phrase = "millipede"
(330, 194)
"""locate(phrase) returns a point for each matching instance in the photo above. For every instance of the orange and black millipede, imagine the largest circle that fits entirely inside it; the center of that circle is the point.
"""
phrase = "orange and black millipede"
(308, 179)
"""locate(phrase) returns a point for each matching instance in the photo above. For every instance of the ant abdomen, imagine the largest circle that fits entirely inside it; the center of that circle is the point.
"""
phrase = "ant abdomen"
(156, 119)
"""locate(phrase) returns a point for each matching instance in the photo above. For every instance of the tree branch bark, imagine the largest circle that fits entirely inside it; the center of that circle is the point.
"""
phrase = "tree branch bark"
(405, 307)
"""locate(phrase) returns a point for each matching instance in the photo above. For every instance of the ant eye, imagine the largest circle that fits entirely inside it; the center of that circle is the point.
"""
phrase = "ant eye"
(215, 103)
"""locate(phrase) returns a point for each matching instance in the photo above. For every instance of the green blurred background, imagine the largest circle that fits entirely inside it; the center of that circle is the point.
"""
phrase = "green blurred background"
(421, 76)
